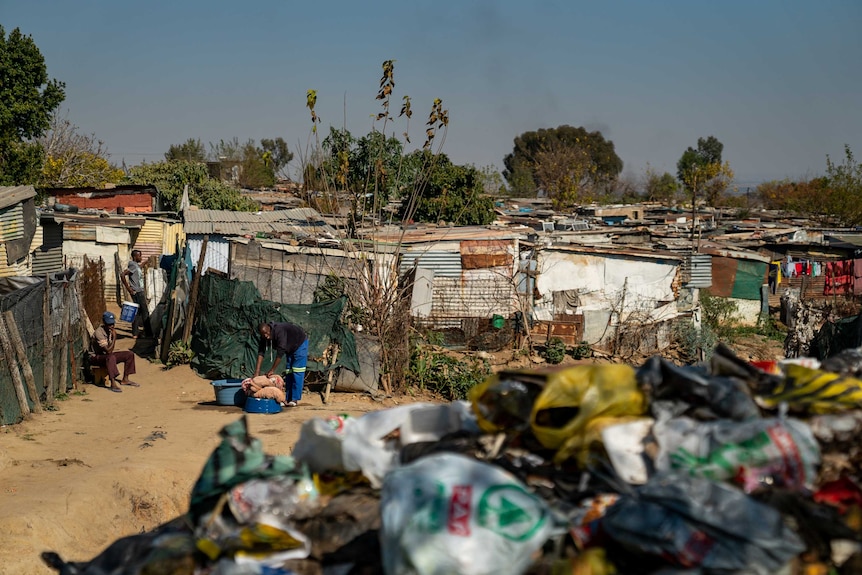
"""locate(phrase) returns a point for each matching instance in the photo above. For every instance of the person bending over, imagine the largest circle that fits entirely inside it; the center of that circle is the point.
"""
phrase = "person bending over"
(291, 342)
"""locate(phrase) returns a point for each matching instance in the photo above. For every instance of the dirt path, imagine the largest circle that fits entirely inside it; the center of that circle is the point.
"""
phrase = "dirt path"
(106, 465)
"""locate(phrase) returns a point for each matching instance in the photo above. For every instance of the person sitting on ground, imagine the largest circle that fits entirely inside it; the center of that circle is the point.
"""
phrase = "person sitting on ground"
(290, 342)
(103, 354)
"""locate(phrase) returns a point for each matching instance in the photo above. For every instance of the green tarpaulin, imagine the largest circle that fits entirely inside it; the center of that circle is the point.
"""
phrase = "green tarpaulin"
(225, 338)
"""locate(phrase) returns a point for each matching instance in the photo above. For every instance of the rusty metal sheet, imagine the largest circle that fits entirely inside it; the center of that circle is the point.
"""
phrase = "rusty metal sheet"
(723, 276)
(479, 254)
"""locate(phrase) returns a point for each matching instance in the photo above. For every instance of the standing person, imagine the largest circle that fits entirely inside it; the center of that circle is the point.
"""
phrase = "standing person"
(133, 280)
(103, 353)
(291, 342)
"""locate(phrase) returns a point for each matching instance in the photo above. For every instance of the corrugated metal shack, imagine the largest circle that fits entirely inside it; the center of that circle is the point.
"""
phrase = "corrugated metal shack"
(219, 225)
(123, 199)
(461, 274)
(17, 229)
(593, 294)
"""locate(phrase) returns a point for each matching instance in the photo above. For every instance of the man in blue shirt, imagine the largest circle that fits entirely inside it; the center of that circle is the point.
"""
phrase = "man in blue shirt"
(291, 342)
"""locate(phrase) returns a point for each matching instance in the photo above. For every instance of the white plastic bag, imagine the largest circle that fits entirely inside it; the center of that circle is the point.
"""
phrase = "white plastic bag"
(447, 513)
(782, 452)
(369, 444)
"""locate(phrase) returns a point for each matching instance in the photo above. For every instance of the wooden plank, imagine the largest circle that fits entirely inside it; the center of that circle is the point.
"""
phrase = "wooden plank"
(193, 296)
(18, 347)
(13, 370)
(64, 349)
(47, 344)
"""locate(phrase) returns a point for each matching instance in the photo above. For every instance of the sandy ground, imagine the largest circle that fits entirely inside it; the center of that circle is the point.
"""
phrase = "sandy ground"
(105, 465)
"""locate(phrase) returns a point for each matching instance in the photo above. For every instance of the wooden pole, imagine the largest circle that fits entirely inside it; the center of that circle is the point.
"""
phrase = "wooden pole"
(13, 370)
(329, 375)
(193, 295)
(48, 344)
(18, 346)
(169, 326)
(64, 349)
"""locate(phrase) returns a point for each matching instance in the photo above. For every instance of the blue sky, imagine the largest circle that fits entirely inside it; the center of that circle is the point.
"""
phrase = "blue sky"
(777, 81)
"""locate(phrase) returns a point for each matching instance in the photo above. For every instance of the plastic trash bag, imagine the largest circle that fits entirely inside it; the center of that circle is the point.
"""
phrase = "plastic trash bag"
(504, 401)
(778, 452)
(371, 443)
(693, 391)
(692, 523)
(815, 391)
(577, 402)
(447, 514)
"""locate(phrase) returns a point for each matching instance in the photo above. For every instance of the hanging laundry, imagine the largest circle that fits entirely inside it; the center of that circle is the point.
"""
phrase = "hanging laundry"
(857, 276)
(839, 278)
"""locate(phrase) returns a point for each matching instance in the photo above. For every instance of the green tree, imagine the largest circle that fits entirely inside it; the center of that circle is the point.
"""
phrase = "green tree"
(492, 181)
(843, 199)
(170, 177)
(27, 102)
(447, 192)
(257, 170)
(597, 162)
(701, 172)
(660, 188)
(74, 159)
(276, 154)
(191, 150)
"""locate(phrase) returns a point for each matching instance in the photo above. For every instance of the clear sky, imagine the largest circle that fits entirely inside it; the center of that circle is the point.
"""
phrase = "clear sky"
(779, 82)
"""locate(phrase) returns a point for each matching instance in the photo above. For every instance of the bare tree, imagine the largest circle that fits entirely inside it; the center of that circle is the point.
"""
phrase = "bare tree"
(74, 159)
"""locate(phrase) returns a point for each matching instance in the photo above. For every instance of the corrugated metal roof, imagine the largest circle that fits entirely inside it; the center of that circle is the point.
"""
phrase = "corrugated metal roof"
(10, 195)
(298, 221)
(613, 251)
(454, 234)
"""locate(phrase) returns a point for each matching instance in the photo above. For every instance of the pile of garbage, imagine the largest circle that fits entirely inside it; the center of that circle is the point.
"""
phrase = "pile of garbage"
(722, 468)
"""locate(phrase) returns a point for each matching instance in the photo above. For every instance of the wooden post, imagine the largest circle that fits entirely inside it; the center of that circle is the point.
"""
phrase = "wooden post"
(169, 326)
(18, 346)
(48, 344)
(329, 375)
(13, 370)
(193, 295)
(64, 349)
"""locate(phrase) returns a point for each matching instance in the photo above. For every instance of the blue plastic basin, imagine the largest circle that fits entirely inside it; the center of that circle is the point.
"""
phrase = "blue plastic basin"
(255, 405)
(229, 392)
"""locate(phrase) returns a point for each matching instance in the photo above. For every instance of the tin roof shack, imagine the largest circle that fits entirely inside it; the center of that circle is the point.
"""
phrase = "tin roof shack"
(160, 234)
(289, 274)
(123, 199)
(461, 277)
(611, 298)
(614, 215)
(219, 225)
(738, 276)
(108, 238)
(17, 228)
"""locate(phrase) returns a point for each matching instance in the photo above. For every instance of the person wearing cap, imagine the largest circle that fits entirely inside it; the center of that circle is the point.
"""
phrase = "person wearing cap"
(291, 342)
(104, 355)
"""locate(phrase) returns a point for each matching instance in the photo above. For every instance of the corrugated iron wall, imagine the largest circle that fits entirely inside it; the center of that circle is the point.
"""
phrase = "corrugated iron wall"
(697, 271)
(150, 239)
(443, 263)
(12, 228)
(48, 253)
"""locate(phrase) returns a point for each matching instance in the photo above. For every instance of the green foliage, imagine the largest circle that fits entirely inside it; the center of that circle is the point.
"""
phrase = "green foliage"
(555, 351)
(191, 151)
(446, 192)
(718, 313)
(276, 154)
(701, 172)
(75, 159)
(257, 168)
(692, 341)
(180, 353)
(582, 351)
(661, 188)
(27, 102)
(844, 184)
(205, 192)
(592, 159)
(443, 374)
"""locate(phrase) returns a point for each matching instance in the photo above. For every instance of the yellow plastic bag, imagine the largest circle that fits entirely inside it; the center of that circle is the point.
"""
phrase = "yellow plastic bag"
(816, 391)
(577, 402)
(566, 408)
